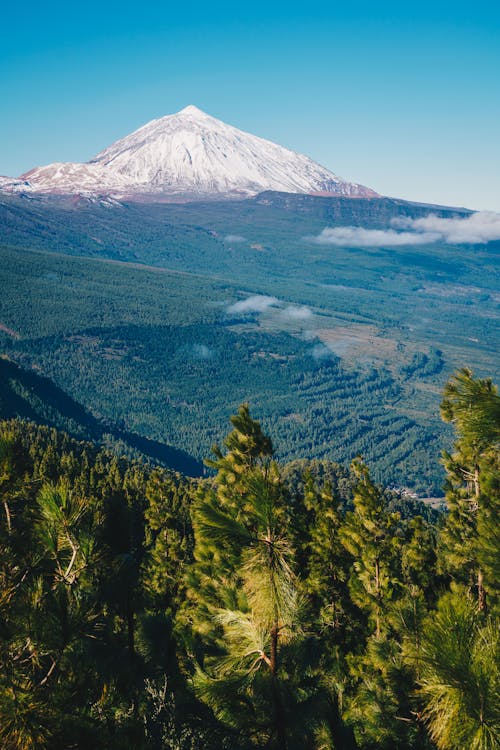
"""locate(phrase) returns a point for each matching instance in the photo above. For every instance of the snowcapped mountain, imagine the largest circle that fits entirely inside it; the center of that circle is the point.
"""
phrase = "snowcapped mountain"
(13, 184)
(191, 153)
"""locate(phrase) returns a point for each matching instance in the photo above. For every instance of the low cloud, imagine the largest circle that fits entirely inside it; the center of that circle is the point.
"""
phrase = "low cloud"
(478, 228)
(234, 238)
(321, 351)
(256, 303)
(202, 351)
(296, 313)
(359, 237)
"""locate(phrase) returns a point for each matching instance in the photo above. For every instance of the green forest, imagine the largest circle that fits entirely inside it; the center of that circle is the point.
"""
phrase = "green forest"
(134, 347)
(266, 605)
(136, 313)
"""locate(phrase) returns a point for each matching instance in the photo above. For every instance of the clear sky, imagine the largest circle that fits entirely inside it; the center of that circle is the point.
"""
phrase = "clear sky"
(401, 96)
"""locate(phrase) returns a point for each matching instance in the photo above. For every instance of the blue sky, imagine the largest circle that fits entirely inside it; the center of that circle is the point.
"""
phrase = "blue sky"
(403, 97)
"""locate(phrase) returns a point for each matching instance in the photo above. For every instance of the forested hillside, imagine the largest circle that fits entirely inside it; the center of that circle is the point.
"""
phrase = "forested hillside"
(158, 320)
(26, 394)
(135, 347)
(269, 605)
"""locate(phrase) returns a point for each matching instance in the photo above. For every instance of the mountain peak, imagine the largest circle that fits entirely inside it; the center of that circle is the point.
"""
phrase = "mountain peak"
(193, 154)
(191, 109)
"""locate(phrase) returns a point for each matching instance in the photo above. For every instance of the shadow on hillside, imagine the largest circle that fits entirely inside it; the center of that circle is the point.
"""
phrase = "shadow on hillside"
(28, 395)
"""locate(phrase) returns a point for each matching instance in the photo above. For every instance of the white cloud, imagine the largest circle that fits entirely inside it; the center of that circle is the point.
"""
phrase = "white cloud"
(321, 351)
(256, 303)
(234, 238)
(296, 313)
(478, 228)
(359, 237)
(201, 351)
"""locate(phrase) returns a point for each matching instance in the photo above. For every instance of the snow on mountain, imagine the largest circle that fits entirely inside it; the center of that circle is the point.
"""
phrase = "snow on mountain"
(189, 153)
(11, 184)
(71, 177)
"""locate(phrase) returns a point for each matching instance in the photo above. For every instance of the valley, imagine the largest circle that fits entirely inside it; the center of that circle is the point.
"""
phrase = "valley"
(161, 318)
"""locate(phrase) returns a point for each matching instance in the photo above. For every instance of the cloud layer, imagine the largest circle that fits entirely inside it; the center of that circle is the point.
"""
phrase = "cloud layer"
(478, 228)
(296, 313)
(202, 351)
(359, 237)
(483, 226)
(234, 238)
(256, 303)
(321, 351)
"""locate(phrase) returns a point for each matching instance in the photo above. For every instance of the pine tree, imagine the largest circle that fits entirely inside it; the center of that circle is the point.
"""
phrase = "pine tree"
(418, 558)
(327, 562)
(23, 720)
(245, 586)
(381, 708)
(459, 676)
(168, 541)
(473, 406)
(369, 535)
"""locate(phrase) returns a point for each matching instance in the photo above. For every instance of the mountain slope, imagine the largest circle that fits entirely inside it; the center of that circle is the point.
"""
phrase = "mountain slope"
(192, 153)
(28, 395)
(152, 233)
(168, 344)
